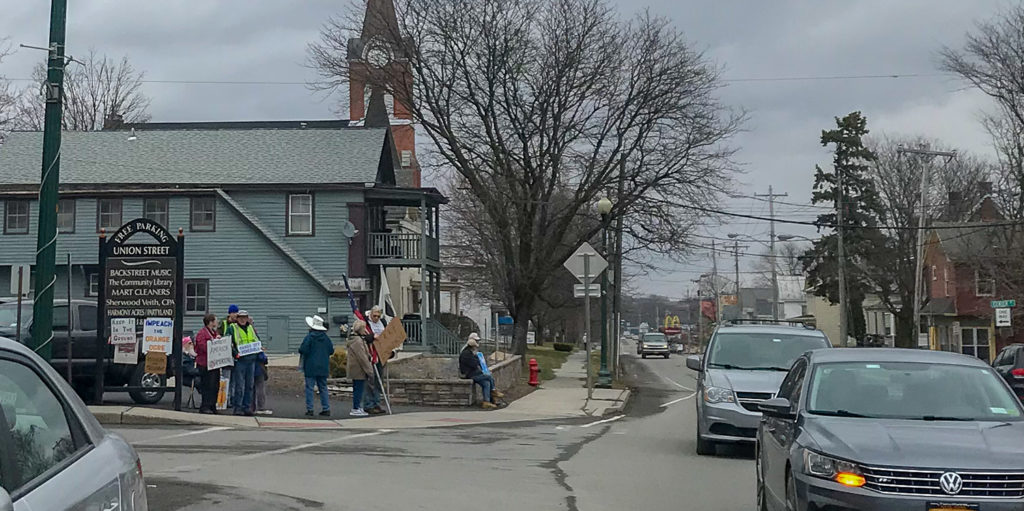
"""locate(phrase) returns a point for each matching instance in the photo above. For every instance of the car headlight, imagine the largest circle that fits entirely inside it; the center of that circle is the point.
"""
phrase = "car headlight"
(842, 472)
(715, 395)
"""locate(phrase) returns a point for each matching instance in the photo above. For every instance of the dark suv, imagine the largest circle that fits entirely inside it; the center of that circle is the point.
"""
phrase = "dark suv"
(1010, 365)
(83, 349)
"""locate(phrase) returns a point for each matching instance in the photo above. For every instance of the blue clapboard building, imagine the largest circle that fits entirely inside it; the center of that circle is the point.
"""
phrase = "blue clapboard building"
(274, 214)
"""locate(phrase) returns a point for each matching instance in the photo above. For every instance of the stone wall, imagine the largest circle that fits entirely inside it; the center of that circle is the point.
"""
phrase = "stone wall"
(452, 391)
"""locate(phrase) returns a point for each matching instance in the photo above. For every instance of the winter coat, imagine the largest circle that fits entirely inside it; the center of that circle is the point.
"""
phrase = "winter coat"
(359, 366)
(202, 338)
(316, 351)
(469, 365)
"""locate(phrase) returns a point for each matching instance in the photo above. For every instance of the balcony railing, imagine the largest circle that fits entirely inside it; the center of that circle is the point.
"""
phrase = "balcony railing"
(386, 245)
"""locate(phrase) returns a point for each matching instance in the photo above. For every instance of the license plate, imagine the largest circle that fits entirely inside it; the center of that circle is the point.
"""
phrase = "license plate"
(951, 506)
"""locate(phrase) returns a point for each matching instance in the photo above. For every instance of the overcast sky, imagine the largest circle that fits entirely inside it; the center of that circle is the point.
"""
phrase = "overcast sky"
(760, 45)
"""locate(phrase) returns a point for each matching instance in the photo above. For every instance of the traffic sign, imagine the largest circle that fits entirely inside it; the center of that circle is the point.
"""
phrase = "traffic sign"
(1003, 304)
(578, 260)
(1004, 317)
(595, 290)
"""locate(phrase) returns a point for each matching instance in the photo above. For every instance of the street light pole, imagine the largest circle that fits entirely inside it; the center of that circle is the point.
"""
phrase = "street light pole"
(604, 377)
(771, 248)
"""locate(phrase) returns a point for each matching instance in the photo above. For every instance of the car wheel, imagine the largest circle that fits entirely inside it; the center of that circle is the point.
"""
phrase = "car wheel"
(143, 379)
(791, 500)
(705, 447)
(643, 356)
(762, 501)
(667, 355)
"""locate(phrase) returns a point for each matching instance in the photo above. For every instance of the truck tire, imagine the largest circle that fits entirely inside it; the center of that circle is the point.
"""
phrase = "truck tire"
(140, 378)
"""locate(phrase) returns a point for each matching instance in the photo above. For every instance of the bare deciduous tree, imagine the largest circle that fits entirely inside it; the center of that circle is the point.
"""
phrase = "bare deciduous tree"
(95, 89)
(534, 104)
(8, 98)
(787, 262)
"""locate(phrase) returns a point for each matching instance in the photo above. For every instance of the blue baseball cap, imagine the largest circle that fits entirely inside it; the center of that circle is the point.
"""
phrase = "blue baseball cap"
(232, 309)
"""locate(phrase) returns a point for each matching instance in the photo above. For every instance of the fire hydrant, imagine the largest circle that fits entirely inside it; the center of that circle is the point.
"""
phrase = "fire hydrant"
(534, 372)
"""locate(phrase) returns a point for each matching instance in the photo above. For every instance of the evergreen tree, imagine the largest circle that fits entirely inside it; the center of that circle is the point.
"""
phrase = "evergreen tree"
(862, 214)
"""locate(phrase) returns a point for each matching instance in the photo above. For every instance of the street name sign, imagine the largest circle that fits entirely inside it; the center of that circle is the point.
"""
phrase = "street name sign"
(1004, 317)
(577, 261)
(595, 290)
(1003, 304)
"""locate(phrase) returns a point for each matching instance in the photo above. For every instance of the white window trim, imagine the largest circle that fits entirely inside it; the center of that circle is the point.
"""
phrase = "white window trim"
(977, 287)
(291, 213)
(205, 297)
(89, 280)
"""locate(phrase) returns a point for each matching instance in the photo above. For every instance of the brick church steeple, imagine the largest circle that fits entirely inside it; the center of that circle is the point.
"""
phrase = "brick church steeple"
(377, 52)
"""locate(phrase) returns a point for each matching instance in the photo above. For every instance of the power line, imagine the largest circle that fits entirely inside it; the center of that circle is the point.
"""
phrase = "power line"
(834, 226)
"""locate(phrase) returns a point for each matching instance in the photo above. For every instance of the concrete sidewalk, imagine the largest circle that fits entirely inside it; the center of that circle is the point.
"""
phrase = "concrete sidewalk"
(564, 397)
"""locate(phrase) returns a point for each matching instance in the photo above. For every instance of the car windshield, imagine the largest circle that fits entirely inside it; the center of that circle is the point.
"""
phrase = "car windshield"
(911, 390)
(654, 338)
(766, 351)
(9, 315)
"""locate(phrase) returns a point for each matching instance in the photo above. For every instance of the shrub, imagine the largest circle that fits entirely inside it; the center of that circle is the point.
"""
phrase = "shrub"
(461, 326)
(564, 346)
(339, 363)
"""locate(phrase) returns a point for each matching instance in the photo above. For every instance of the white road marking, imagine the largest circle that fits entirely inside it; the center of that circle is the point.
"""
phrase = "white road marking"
(187, 433)
(670, 403)
(613, 419)
(677, 384)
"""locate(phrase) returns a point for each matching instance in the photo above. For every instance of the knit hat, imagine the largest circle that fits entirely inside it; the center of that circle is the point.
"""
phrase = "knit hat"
(232, 309)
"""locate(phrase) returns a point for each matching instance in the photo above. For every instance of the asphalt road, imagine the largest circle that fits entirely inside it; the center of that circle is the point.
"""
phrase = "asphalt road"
(643, 460)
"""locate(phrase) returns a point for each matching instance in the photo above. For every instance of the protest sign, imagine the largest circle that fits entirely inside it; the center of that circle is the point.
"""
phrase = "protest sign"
(126, 354)
(156, 362)
(157, 334)
(390, 339)
(251, 348)
(218, 353)
(222, 390)
(122, 331)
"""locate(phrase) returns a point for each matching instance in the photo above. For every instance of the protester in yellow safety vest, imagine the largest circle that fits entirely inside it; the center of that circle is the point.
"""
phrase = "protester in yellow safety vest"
(243, 375)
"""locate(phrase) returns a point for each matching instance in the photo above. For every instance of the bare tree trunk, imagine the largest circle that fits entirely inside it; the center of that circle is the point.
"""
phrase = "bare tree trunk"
(904, 328)
(519, 330)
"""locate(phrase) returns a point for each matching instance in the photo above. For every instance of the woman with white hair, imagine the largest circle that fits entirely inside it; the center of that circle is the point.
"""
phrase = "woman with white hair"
(375, 321)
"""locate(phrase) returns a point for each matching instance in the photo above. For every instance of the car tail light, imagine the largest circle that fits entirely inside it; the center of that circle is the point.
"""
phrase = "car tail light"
(1018, 373)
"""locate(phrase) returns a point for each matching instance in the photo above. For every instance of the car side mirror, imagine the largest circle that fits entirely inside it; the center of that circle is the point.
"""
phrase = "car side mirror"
(5, 501)
(778, 407)
(695, 362)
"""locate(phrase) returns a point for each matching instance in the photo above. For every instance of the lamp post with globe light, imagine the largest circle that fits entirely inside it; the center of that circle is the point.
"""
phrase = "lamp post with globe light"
(604, 378)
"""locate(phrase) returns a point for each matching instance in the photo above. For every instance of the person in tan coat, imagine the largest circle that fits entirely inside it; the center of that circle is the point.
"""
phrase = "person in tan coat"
(359, 368)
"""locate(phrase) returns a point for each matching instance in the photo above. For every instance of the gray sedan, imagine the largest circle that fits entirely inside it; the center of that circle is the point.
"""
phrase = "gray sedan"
(887, 429)
(54, 455)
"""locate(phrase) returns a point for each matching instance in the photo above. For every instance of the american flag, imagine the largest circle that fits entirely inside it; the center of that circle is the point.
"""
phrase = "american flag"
(352, 300)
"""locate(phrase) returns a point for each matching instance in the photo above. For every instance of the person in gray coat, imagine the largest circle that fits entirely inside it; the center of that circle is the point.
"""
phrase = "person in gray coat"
(359, 369)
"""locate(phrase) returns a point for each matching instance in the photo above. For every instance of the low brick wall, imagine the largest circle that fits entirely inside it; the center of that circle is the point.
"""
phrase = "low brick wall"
(440, 392)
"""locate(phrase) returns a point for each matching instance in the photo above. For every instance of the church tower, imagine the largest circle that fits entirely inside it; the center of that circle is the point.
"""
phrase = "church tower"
(377, 52)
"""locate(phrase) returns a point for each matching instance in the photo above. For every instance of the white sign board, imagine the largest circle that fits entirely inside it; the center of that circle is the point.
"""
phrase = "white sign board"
(157, 334)
(251, 348)
(577, 262)
(1004, 317)
(126, 354)
(122, 331)
(594, 291)
(218, 353)
(26, 279)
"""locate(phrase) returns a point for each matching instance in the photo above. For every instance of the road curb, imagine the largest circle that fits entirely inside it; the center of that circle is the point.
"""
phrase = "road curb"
(621, 404)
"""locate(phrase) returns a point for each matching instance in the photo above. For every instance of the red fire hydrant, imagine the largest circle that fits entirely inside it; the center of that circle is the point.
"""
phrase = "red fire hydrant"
(534, 372)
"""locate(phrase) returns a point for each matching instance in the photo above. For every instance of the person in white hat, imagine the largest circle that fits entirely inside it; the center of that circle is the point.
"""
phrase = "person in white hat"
(470, 368)
(316, 351)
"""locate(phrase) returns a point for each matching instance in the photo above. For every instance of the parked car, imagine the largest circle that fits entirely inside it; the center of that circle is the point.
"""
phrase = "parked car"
(653, 344)
(888, 429)
(54, 455)
(83, 349)
(1010, 365)
(743, 366)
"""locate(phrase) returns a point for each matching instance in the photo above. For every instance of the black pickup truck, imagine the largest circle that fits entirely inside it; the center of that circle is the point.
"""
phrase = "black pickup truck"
(82, 348)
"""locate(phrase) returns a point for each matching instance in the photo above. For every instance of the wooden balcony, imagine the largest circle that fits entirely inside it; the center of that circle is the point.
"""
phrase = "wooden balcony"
(402, 249)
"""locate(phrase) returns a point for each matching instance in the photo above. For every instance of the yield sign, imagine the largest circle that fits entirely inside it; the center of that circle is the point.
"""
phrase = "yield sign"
(577, 262)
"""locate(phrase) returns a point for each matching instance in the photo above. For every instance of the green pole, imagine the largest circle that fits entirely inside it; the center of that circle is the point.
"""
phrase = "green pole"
(46, 249)
(604, 378)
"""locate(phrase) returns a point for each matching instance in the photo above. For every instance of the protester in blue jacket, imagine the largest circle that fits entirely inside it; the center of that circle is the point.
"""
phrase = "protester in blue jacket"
(316, 351)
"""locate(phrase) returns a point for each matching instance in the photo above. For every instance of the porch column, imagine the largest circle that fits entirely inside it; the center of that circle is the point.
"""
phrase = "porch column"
(423, 269)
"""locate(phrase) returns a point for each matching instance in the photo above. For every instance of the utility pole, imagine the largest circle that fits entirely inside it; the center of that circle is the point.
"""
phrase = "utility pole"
(921, 224)
(840, 207)
(736, 255)
(714, 284)
(617, 304)
(771, 249)
(46, 242)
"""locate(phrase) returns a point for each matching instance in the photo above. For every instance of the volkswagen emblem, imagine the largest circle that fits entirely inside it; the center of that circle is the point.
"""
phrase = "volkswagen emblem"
(951, 483)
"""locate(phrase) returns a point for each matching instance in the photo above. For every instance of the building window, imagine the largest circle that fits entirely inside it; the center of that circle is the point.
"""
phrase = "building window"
(197, 296)
(204, 214)
(108, 214)
(66, 216)
(16, 217)
(975, 342)
(984, 284)
(300, 214)
(93, 288)
(156, 210)
(887, 319)
(406, 158)
(945, 279)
